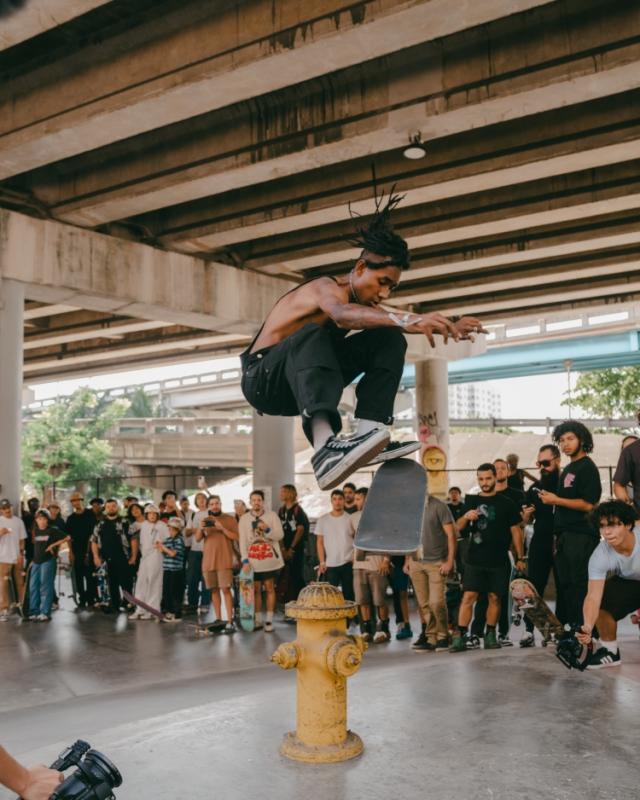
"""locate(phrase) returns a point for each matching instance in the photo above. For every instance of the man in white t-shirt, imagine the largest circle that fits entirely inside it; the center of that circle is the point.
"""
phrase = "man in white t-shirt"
(12, 541)
(334, 534)
(614, 580)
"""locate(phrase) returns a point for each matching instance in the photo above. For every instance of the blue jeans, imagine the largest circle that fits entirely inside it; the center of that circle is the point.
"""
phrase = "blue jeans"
(41, 585)
(194, 581)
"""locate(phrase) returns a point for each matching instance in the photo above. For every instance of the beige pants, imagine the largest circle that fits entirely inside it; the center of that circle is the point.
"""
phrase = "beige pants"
(430, 586)
(6, 572)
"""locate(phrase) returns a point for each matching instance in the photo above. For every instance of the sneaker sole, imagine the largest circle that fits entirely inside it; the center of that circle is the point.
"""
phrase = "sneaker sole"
(382, 457)
(349, 465)
(605, 666)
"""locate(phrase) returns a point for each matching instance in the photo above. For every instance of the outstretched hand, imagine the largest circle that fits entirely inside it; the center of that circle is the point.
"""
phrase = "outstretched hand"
(428, 324)
(468, 326)
(41, 783)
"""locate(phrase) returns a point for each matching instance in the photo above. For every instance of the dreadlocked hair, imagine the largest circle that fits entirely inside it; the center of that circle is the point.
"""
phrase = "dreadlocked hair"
(378, 237)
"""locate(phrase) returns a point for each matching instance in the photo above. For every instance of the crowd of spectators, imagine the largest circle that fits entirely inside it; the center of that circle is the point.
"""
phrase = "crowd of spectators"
(182, 556)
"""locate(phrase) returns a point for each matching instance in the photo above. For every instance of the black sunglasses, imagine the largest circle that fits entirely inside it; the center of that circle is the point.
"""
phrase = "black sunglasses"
(544, 463)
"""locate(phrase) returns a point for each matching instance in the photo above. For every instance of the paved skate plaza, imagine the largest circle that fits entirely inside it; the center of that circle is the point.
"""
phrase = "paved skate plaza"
(201, 718)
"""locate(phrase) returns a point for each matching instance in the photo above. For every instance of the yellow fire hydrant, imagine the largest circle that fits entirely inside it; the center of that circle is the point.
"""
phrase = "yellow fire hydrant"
(324, 656)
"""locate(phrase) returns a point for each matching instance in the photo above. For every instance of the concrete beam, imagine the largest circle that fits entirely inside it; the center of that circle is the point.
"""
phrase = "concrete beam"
(451, 235)
(47, 311)
(510, 306)
(384, 131)
(38, 16)
(61, 264)
(115, 330)
(93, 358)
(229, 71)
(524, 167)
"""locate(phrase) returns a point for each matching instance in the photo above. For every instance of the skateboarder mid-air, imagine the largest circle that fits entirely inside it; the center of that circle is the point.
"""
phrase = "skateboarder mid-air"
(303, 356)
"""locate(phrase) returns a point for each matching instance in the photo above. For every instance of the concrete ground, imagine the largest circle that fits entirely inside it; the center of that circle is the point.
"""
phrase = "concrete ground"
(202, 718)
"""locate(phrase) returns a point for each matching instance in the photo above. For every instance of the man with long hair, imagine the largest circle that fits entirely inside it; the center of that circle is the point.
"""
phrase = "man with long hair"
(578, 493)
(303, 356)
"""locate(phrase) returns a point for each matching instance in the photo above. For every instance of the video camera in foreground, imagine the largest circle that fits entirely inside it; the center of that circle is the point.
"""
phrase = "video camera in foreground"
(569, 650)
(95, 776)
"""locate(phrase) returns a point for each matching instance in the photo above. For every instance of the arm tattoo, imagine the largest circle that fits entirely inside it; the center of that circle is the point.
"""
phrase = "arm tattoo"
(404, 320)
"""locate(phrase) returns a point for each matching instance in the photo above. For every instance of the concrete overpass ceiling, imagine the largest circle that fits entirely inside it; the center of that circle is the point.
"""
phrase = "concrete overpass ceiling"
(239, 132)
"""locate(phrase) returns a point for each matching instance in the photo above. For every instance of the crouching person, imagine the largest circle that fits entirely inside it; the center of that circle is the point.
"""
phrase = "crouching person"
(614, 581)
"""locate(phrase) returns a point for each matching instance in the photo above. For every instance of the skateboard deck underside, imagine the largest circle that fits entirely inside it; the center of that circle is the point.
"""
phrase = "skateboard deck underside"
(141, 604)
(247, 608)
(527, 600)
(391, 520)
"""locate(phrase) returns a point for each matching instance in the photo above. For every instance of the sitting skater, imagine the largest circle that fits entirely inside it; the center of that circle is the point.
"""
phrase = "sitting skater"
(303, 356)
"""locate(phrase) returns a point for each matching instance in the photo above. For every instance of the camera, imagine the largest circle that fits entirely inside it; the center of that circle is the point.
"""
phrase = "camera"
(569, 650)
(94, 778)
(208, 523)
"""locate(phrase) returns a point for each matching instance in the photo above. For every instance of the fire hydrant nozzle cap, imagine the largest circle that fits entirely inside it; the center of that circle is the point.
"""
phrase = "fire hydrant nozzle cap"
(321, 601)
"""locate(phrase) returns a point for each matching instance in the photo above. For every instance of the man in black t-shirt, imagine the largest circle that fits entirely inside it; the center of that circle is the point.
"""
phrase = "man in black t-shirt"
(80, 525)
(628, 472)
(349, 491)
(110, 542)
(578, 493)
(295, 525)
(455, 502)
(494, 525)
(540, 555)
(517, 497)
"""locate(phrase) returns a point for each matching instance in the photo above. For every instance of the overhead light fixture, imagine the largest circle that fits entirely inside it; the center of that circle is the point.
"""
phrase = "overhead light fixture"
(415, 149)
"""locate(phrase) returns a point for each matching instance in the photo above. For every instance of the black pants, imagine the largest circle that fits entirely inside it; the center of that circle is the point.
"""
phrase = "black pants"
(120, 577)
(86, 591)
(172, 591)
(308, 371)
(342, 576)
(573, 551)
(540, 565)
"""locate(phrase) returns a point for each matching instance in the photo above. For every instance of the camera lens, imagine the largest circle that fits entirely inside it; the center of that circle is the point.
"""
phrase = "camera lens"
(103, 769)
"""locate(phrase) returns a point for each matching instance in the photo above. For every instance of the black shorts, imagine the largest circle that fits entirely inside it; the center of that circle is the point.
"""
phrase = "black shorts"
(266, 576)
(621, 597)
(486, 579)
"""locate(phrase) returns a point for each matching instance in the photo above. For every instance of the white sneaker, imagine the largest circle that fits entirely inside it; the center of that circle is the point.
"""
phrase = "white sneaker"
(43, 618)
(136, 615)
(145, 616)
(4, 616)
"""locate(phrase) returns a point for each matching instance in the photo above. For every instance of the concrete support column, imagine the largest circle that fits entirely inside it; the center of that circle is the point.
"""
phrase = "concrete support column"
(273, 455)
(432, 419)
(11, 356)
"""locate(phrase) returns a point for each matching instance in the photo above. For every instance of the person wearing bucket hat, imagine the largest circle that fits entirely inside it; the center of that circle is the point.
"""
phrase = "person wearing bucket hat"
(149, 584)
(172, 549)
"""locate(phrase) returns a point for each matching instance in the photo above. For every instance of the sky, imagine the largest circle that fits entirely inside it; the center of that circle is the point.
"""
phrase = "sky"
(529, 398)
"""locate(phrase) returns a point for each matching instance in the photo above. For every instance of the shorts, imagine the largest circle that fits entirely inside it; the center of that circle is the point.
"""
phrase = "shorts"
(266, 576)
(218, 578)
(369, 587)
(621, 597)
(486, 579)
(398, 579)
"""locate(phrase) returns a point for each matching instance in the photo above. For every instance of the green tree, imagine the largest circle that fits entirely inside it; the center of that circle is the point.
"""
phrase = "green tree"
(57, 446)
(607, 392)
(141, 404)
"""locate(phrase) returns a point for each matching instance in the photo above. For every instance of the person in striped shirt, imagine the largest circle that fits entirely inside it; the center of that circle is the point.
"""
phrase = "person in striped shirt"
(172, 549)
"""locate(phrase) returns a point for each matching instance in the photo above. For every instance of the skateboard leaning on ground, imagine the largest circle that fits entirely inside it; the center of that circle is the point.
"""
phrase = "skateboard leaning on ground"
(14, 598)
(247, 600)
(102, 585)
(527, 601)
(26, 599)
(155, 612)
(391, 520)
(208, 629)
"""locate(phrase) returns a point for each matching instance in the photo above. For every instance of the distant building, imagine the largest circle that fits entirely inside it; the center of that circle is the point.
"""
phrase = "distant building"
(473, 401)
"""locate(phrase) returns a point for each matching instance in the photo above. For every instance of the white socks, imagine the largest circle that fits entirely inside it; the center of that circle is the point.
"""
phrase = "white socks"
(612, 647)
(258, 617)
(321, 430)
(269, 616)
(366, 425)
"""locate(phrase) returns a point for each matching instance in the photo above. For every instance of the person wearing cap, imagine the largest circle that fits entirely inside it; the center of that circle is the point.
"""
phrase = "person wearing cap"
(80, 525)
(97, 507)
(29, 519)
(150, 575)
(13, 536)
(112, 544)
(46, 543)
(172, 549)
